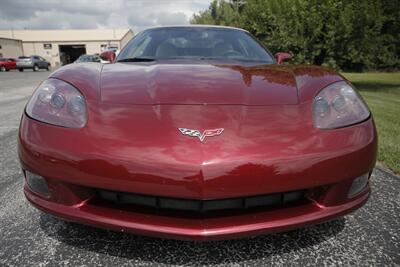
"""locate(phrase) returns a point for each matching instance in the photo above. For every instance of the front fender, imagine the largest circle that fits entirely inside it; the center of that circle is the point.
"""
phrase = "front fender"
(311, 79)
(84, 76)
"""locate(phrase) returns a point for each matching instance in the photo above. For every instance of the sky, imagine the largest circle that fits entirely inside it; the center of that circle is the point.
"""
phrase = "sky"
(78, 14)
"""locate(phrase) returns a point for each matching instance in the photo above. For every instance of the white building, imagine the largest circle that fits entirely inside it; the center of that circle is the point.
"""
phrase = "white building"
(10, 47)
(60, 47)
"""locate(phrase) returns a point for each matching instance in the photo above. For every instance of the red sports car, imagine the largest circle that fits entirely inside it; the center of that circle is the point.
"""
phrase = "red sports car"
(7, 64)
(197, 132)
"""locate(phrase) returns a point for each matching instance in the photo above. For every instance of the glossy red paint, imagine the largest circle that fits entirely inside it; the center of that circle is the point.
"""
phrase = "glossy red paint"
(199, 83)
(108, 55)
(131, 143)
(217, 228)
(8, 64)
(282, 56)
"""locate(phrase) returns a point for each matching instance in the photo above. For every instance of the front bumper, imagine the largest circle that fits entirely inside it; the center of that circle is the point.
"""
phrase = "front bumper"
(203, 229)
(74, 167)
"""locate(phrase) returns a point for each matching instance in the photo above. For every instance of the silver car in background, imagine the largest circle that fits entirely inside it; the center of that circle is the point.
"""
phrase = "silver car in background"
(32, 62)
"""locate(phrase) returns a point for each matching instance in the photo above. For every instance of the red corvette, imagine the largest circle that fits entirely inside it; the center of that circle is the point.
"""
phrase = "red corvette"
(196, 132)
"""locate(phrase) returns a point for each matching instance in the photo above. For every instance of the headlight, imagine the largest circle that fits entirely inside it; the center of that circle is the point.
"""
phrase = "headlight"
(338, 105)
(59, 103)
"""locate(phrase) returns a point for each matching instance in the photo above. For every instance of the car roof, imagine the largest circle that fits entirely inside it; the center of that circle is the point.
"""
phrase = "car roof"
(196, 26)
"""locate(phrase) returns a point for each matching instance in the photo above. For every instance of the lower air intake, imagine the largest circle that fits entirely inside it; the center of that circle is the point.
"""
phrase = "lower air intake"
(193, 205)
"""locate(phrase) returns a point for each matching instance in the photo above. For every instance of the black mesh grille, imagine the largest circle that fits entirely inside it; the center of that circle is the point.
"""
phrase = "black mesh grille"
(193, 205)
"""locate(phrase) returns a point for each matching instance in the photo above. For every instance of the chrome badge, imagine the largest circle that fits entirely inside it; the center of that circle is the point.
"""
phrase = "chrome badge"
(201, 136)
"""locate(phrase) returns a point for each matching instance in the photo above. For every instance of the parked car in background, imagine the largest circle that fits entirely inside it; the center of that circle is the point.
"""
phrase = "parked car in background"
(32, 62)
(7, 64)
(90, 58)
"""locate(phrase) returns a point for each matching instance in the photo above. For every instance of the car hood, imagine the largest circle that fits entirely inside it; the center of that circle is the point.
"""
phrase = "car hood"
(199, 83)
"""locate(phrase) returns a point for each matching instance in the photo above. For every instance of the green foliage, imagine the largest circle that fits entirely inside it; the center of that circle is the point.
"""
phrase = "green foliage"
(345, 34)
(220, 13)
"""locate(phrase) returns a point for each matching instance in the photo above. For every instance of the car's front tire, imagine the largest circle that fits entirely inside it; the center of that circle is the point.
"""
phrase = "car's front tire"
(2, 68)
(48, 67)
(21, 70)
(35, 68)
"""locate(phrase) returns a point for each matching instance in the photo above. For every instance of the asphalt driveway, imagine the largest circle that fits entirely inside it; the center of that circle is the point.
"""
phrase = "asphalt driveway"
(370, 236)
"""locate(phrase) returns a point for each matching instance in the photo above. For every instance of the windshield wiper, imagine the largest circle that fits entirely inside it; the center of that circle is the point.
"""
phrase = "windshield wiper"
(137, 59)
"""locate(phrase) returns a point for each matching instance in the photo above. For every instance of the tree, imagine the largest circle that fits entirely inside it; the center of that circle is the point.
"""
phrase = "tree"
(220, 13)
(344, 34)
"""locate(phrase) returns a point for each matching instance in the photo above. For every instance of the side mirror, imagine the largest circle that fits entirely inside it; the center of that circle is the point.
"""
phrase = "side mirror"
(282, 56)
(108, 55)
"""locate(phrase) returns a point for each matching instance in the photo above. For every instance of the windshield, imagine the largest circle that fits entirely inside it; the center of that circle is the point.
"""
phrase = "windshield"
(195, 42)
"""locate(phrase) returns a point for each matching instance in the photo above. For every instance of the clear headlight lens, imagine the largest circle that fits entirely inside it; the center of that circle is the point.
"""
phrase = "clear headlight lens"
(338, 105)
(59, 103)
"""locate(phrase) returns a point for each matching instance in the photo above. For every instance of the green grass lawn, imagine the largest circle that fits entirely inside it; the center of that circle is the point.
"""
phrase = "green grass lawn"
(382, 93)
